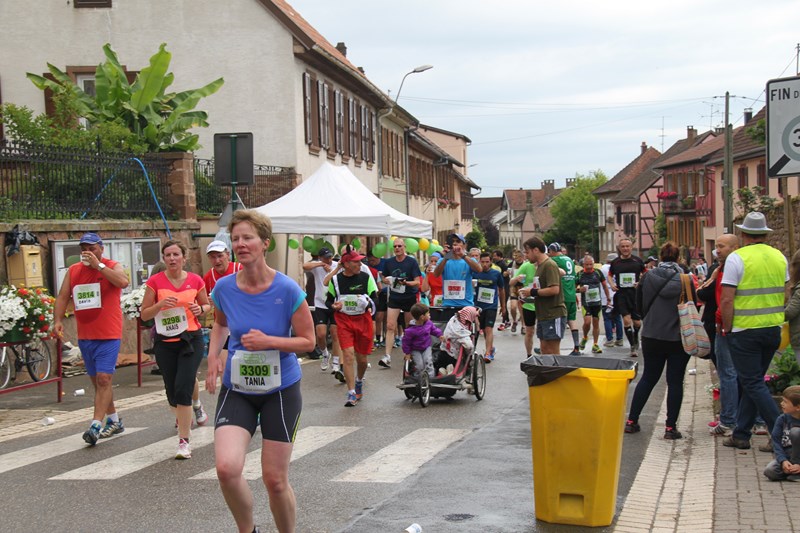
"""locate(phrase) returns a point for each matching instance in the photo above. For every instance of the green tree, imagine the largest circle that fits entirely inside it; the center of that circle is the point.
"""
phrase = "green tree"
(476, 238)
(574, 212)
(160, 119)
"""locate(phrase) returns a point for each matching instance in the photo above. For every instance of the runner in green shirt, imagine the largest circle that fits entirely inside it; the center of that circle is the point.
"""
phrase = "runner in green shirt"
(524, 278)
(568, 289)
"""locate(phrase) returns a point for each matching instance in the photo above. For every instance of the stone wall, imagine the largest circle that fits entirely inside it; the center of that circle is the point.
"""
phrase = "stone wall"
(776, 220)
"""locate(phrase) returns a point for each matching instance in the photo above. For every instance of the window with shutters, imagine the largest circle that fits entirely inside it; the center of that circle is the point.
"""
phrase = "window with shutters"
(339, 122)
(90, 3)
(307, 107)
(742, 177)
(761, 178)
(352, 109)
(323, 106)
(364, 133)
(372, 154)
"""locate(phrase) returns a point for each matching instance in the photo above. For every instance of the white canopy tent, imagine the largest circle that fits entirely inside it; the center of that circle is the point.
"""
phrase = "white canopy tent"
(333, 201)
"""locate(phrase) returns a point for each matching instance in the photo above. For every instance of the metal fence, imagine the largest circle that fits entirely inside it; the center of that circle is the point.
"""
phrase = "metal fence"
(46, 182)
(269, 183)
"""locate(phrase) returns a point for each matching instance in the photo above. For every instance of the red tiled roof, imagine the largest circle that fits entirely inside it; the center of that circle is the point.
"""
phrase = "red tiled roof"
(518, 198)
(649, 176)
(743, 146)
(485, 207)
(627, 174)
(695, 153)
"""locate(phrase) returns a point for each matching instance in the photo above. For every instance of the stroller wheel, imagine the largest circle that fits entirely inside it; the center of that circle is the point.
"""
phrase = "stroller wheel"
(408, 394)
(424, 389)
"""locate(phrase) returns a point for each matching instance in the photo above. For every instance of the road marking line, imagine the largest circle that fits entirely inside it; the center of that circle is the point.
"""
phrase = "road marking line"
(308, 440)
(397, 461)
(135, 460)
(48, 450)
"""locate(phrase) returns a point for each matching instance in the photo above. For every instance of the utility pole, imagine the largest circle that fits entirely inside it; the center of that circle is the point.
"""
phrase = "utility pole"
(727, 180)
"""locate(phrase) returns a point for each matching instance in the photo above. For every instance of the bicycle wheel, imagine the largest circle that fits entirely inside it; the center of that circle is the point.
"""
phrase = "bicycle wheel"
(37, 359)
(5, 366)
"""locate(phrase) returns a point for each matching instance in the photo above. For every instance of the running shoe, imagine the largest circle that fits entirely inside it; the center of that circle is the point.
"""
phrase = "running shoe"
(765, 447)
(386, 361)
(359, 389)
(91, 435)
(315, 354)
(501, 327)
(111, 428)
(632, 427)
(335, 368)
(514, 327)
(352, 400)
(609, 343)
(760, 429)
(398, 341)
(720, 429)
(489, 357)
(672, 434)
(326, 357)
(733, 442)
(184, 450)
(337, 373)
(575, 351)
(522, 330)
(583, 342)
(200, 415)
(537, 351)
(634, 353)
(596, 348)
(619, 342)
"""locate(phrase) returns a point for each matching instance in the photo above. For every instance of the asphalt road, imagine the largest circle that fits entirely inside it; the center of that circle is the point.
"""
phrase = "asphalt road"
(361, 471)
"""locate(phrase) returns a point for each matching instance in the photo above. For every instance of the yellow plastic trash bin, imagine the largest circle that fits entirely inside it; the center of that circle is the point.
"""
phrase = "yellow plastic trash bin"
(577, 423)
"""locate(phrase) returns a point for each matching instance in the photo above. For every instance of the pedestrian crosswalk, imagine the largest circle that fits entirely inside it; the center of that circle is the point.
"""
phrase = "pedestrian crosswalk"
(391, 464)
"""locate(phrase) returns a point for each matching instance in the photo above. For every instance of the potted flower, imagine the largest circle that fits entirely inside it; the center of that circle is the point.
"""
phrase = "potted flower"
(131, 304)
(25, 313)
(443, 203)
(783, 372)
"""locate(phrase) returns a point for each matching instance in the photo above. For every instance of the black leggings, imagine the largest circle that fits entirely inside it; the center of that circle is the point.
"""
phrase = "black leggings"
(658, 353)
(179, 371)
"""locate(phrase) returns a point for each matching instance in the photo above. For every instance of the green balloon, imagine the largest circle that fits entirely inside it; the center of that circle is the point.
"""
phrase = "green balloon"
(271, 245)
(308, 245)
(379, 250)
(412, 246)
(356, 243)
(293, 244)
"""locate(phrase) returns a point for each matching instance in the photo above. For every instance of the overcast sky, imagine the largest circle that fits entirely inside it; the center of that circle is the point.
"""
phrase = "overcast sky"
(546, 90)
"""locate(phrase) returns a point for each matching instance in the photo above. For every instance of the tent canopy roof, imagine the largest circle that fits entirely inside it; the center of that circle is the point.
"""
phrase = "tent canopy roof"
(333, 201)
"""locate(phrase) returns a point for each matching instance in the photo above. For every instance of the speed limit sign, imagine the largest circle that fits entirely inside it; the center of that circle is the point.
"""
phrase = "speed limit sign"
(783, 127)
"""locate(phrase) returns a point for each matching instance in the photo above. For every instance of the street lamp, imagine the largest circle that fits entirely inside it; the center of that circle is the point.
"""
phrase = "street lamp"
(421, 68)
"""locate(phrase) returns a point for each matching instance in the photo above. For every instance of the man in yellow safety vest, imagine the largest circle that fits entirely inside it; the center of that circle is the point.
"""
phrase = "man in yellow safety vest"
(751, 305)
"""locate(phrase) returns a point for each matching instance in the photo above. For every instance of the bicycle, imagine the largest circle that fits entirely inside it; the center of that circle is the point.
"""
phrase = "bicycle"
(34, 355)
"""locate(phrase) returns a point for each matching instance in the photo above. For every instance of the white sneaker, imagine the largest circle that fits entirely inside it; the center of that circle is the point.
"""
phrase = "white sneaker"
(326, 356)
(200, 415)
(386, 361)
(442, 371)
(184, 450)
(450, 369)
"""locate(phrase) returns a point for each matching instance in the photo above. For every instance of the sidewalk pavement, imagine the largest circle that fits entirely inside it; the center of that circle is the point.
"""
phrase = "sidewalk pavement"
(696, 484)
(689, 485)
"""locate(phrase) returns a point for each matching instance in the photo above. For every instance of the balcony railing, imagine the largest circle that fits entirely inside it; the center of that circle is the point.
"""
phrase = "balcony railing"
(678, 204)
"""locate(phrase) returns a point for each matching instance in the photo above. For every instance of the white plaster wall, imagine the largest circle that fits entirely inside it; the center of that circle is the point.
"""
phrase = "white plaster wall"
(237, 39)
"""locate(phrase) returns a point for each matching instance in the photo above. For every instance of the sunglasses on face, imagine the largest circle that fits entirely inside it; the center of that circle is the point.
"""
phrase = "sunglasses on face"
(399, 246)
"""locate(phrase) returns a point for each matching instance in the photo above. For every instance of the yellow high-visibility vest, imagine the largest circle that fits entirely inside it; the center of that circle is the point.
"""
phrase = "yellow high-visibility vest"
(759, 296)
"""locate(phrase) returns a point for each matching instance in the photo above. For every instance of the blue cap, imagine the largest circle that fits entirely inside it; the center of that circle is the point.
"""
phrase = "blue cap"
(454, 236)
(91, 238)
(436, 254)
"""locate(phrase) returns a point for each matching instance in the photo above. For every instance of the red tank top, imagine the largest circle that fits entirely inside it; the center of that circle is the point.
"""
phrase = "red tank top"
(96, 322)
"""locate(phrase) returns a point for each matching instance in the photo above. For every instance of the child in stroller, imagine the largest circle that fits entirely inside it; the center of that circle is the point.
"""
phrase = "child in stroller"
(417, 340)
(459, 329)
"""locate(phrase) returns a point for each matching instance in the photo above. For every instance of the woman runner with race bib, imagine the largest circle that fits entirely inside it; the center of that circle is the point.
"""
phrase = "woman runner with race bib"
(260, 308)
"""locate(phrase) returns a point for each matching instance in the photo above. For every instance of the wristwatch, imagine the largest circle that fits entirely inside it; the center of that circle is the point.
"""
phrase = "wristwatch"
(101, 266)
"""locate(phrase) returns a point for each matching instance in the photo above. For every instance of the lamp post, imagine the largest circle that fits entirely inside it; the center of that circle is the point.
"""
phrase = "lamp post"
(421, 68)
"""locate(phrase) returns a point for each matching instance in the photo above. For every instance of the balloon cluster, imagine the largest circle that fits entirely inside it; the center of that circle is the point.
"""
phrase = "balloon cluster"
(313, 246)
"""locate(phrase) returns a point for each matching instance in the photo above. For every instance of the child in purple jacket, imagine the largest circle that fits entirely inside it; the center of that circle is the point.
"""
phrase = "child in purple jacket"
(417, 339)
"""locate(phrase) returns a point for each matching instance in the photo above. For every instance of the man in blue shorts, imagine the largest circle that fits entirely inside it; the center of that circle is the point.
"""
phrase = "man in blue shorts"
(94, 284)
(490, 291)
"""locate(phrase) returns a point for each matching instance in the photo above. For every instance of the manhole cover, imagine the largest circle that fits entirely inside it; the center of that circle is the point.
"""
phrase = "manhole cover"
(458, 517)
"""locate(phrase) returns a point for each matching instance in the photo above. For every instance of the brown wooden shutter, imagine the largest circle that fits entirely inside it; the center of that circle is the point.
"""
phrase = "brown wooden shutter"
(2, 137)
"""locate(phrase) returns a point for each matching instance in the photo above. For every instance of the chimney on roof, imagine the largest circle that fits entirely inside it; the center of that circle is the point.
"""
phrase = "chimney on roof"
(549, 188)
(691, 133)
(644, 147)
(342, 48)
(571, 182)
(361, 70)
(748, 114)
(528, 201)
(719, 130)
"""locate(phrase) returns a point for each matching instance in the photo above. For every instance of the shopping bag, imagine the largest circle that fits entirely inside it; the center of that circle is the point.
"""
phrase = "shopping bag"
(693, 335)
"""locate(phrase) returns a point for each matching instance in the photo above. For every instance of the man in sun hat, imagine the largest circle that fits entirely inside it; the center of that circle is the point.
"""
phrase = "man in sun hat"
(751, 307)
(352, 294)
(94, 284)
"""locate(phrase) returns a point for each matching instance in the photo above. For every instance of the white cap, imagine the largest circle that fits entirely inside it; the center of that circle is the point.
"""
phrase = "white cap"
(217, 246)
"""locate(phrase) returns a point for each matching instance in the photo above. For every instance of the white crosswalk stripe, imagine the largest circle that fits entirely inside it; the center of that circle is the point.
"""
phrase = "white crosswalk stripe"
(308, 440)
(48, 450)
(135, 460)
(399, 460)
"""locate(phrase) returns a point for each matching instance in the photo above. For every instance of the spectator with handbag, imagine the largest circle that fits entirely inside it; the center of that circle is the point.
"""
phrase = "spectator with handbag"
(657, 298)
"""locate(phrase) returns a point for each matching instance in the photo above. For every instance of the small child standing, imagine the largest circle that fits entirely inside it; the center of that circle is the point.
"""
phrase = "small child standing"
(417, 339)
(786, 439)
